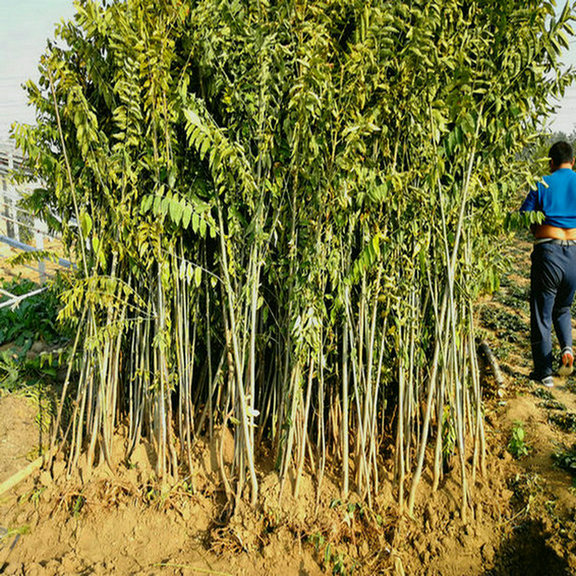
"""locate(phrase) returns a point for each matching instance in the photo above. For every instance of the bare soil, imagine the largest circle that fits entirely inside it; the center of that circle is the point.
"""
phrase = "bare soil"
(521, 519)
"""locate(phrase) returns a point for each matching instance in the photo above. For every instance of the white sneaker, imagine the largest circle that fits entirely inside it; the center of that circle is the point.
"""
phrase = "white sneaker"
(547, 381)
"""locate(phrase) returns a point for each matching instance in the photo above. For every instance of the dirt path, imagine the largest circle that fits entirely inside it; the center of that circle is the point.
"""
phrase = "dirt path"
(522, 519)
(543, 495)
(549, 415)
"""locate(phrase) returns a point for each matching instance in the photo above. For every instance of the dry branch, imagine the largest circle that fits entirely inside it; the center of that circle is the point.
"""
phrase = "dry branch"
(485, 349)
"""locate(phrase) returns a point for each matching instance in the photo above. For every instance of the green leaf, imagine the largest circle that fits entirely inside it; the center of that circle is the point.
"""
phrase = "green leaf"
(146, 203)
(85, 224)
(186, 216)
(176, 211)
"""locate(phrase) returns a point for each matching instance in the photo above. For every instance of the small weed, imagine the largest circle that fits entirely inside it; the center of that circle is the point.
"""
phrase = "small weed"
(552, 405)
(33, 496)
(566, 460)
(317, 539)
(188, 487)
(517, 445)
(566, 422)
(77, 506)
(508, 326)
(73, 503)
(512, 289)
(331, 558)
(525, 488)
(7, 533)
(351, 510)
(550, 506)
(505, 351)
(543, 393)
(10, 376)
(151, 494)
(353, 515)
(571, 386)
(516, 299)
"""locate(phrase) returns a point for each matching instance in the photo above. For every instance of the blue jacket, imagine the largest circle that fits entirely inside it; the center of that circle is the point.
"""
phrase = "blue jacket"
(556, 197)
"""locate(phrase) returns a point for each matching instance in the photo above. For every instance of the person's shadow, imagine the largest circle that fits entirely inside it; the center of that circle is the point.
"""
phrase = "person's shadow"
(525, 553)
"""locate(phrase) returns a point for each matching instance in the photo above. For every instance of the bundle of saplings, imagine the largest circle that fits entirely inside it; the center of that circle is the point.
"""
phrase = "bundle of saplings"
(281, 213)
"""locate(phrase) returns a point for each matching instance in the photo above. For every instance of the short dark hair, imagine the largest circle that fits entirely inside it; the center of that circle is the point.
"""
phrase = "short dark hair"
(560, 153)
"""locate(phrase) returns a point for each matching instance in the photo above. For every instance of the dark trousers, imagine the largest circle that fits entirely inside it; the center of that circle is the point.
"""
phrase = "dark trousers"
(552, 287)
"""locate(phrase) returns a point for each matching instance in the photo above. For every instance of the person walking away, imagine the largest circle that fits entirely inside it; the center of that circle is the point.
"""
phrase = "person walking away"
(553, 270)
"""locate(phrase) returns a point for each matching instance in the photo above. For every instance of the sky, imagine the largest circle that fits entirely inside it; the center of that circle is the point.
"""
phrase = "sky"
(26, 24)
(565, 119)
